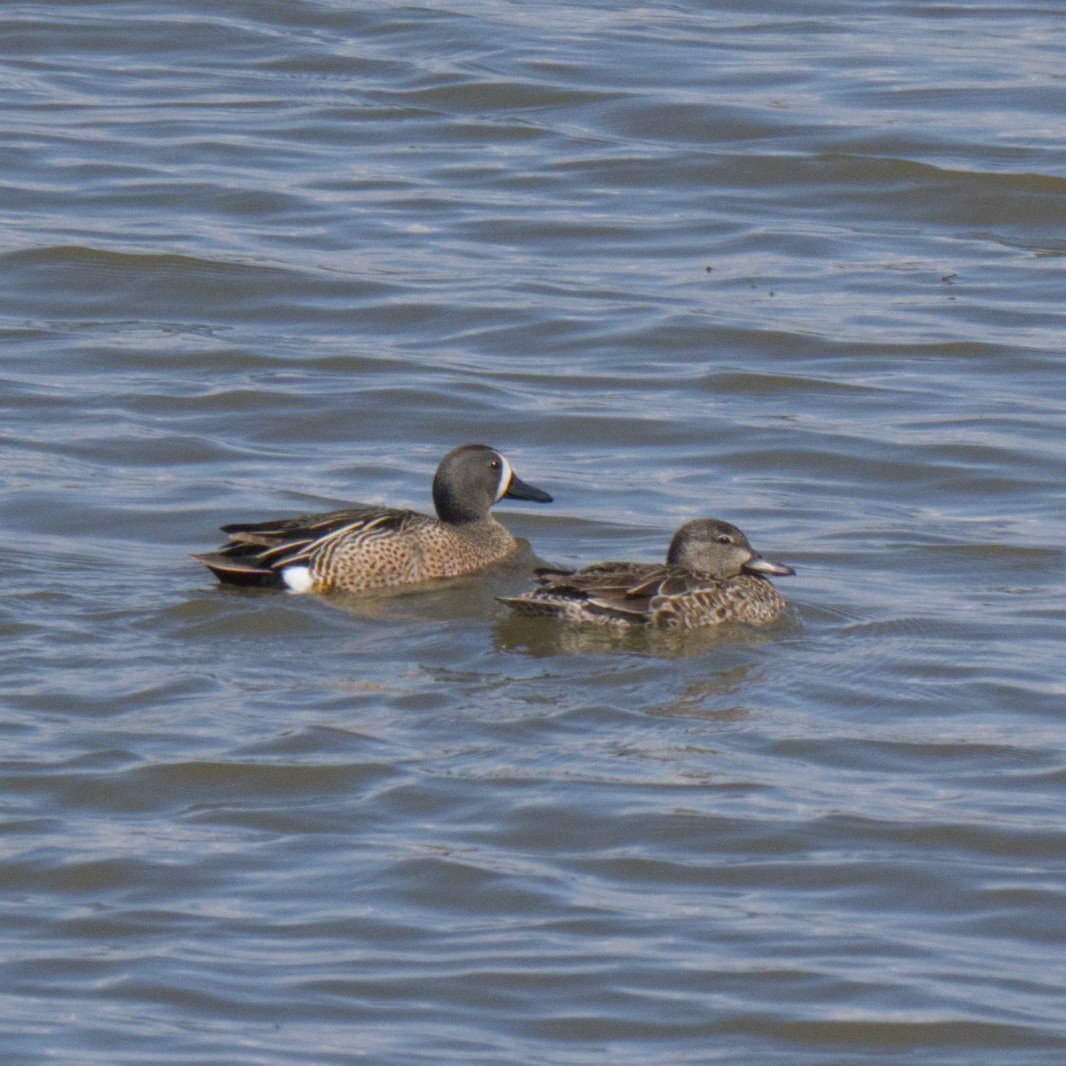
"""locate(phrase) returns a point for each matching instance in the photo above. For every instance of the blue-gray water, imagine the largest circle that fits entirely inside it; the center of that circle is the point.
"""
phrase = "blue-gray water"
(795, 265)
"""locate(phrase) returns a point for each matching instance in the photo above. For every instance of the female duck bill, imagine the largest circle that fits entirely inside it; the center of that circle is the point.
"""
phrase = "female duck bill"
(758, 565)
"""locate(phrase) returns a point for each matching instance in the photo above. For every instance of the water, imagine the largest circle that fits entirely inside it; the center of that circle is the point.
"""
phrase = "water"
(799, 267)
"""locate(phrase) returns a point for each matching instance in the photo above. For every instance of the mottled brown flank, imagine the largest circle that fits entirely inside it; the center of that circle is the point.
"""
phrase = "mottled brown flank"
(354, 559)
(748, 599)
(635, 594)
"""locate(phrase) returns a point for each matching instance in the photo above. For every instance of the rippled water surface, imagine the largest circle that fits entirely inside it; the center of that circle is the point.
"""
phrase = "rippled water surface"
(795, 265)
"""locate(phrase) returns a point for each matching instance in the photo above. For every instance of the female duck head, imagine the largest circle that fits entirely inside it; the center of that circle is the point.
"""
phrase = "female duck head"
(719, 549)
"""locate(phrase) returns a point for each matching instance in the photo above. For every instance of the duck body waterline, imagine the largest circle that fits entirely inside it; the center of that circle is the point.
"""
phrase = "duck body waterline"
(711, 575)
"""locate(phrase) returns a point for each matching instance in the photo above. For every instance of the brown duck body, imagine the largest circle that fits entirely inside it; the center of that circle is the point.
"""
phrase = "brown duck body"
(357, 550)
(361, 549)
(712, 575)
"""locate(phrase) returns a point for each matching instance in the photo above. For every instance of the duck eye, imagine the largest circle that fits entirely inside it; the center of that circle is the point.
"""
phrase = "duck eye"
(725, 539)
(494, 464)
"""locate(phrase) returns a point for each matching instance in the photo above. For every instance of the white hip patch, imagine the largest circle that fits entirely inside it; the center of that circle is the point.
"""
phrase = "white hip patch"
(298, 578)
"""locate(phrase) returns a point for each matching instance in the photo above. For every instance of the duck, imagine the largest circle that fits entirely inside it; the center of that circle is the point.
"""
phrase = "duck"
(362, 549)
(711, 575)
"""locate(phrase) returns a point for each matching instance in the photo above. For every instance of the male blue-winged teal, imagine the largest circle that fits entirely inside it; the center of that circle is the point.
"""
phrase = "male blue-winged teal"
(372, 548)
(712, 575)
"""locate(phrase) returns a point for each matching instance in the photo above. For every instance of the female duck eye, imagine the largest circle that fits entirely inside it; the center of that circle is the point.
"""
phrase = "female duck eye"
(494, 464)
(723, 539)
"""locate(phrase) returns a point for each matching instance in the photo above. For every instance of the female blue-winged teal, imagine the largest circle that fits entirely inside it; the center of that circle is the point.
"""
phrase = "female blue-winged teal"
(712, 574)
(372, 548)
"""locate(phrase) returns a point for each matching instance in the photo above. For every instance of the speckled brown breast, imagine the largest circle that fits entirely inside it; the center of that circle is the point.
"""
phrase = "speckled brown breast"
(746, 599)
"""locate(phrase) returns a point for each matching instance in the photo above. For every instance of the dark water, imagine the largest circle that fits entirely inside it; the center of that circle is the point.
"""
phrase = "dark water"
(795, 265)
